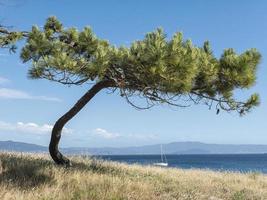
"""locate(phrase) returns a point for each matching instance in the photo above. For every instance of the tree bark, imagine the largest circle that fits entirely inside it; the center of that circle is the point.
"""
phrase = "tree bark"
(60, 123)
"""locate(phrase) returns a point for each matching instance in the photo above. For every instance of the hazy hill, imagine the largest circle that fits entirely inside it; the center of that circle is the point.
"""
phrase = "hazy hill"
(21, 146)
(171, 148)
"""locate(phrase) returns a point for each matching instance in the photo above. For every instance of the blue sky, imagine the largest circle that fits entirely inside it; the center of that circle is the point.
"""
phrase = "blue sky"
(28, 108)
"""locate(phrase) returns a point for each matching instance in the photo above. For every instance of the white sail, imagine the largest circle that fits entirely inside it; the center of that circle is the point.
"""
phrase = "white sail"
(163, 162)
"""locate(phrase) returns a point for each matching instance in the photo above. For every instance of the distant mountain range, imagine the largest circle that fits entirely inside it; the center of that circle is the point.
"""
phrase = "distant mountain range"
(170, 148)
(21, 146)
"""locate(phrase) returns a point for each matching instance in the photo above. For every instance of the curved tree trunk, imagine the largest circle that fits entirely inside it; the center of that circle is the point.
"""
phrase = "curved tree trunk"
(60, 123)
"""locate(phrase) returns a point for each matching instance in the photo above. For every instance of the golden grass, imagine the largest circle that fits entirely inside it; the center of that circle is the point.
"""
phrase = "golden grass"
(30, 177)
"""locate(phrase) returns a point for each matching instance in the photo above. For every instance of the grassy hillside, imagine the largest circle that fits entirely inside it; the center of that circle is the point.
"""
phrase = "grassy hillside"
(25, 176)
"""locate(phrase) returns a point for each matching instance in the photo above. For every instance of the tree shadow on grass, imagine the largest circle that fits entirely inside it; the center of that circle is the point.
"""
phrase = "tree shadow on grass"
(24, 172)
(27, 172)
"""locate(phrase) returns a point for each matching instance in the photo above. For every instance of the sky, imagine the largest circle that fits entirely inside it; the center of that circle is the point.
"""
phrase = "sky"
(29, 108)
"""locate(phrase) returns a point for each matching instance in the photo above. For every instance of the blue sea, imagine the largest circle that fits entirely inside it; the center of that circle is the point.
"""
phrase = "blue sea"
(228, 162)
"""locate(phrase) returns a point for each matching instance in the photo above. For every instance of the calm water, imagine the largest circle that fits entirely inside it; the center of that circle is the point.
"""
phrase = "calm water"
(240, 162)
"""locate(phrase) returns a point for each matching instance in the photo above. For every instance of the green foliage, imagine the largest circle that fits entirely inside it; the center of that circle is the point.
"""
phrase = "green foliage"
(9, 39)
(55, 50)
(158, 69)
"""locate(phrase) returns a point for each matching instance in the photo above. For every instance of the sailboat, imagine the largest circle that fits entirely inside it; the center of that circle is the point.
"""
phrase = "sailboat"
(163, 162)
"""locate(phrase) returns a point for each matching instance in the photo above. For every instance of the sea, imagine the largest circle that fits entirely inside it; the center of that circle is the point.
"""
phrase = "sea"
(220, 162)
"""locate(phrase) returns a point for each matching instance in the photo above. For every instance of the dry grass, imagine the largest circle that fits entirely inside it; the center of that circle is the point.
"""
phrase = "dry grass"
(25, 176)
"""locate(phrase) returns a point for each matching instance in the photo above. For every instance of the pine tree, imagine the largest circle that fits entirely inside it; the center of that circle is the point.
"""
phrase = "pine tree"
(162, 71)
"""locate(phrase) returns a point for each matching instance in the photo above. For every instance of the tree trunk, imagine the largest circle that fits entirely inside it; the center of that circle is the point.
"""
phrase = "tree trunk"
(60, 123)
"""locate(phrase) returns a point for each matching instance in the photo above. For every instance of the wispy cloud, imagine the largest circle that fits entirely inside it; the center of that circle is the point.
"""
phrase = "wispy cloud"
(6, 93)
(105, 134)
(29, 127)
(100, 132)
(3, 80)
(3, 54)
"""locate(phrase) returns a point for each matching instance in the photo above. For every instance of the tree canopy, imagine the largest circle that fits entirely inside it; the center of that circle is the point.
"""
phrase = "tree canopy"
(160, 70)
(170, 71)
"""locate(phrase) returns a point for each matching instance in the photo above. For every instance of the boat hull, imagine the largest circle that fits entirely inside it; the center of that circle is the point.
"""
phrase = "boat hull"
(161, 164)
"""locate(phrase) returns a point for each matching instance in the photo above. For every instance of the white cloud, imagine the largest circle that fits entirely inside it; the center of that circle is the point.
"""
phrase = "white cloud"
(99, 132)
(6, 93)
(3, 54)
(30, 127)
(105, 134)
(3, 80)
